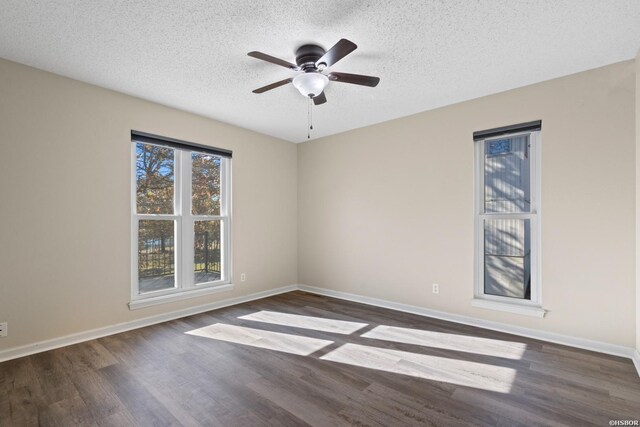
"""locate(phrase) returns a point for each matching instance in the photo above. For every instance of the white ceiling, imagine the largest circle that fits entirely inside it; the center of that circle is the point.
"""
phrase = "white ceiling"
(192, 54)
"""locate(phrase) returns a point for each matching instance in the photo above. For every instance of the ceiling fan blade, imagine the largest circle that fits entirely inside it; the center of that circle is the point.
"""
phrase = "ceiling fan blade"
(320, 99)
(273, 60)
(356, 79)
(273, 85)
(337, 52)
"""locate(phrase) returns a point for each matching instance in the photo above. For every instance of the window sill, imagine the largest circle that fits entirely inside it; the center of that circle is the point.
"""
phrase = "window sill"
(525, 310)
(162, 299)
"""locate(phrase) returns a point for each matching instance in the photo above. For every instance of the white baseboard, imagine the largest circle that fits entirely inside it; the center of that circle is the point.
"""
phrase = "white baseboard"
(25, 350)
(636, 360)
(598, 346)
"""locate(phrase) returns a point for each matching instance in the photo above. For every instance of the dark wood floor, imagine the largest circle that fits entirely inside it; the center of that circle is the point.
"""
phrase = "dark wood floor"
(255, 364)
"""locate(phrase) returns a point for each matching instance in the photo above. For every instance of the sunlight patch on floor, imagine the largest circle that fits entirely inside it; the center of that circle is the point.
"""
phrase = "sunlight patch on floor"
(305, 322)
(453, 371)
(463, 343)
(287, 343)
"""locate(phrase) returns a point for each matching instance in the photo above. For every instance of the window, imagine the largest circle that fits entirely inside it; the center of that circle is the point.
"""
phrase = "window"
(180, 221)
(507, 219)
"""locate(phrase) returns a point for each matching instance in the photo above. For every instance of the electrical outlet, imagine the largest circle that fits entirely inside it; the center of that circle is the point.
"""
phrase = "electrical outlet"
(4, 329)
(243, 277)
(436, 288)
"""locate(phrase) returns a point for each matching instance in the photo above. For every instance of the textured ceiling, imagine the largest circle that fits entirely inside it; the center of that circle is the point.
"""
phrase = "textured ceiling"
(193, 54)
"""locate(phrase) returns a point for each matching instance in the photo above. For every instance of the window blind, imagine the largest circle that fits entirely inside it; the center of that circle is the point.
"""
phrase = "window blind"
(522, 127)
(176, 143)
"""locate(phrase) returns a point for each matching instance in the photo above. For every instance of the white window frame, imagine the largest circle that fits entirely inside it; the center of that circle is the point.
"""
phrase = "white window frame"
(184, 233)
(532, 307)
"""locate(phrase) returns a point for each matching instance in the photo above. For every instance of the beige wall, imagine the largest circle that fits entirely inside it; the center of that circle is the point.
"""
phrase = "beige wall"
(64, 191)
(387, 210)
(382, 211)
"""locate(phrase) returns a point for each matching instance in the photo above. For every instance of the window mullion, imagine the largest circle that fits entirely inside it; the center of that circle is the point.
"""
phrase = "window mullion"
(187, 223)
(177, 202)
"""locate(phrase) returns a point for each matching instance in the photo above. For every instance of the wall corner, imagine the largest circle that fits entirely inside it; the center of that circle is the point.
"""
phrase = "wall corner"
(637, 134)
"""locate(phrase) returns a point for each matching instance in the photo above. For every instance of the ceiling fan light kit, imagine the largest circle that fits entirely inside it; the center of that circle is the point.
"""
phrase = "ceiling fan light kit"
(310, 84)
(311, 60)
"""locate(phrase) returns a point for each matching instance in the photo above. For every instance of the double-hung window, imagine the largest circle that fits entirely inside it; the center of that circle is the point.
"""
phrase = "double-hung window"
(181, 219)
(507, 219)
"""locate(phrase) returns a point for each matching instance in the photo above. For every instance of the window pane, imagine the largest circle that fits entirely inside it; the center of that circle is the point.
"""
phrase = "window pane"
(154, 179)
(507, 175)
(507, 257)
(207, 265)
(156, 255)
(205, 184)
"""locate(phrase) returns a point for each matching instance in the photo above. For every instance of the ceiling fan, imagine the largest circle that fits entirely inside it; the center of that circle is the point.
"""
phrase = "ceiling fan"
(312, 59)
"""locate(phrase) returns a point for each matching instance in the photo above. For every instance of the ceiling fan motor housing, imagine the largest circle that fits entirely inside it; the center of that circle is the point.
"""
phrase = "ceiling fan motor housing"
(307, 55)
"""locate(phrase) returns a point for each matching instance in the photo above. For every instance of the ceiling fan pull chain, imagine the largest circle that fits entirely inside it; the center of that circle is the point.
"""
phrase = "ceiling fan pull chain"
(311, 112)
(309, 126)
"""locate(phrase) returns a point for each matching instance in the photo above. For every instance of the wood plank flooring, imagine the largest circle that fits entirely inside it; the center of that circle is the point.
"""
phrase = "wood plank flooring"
(300, 359)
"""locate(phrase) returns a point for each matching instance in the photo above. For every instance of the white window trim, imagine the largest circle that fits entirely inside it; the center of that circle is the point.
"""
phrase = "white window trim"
(531, 307)
(161, 299)
(184, 246)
